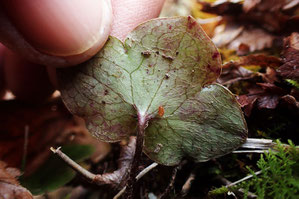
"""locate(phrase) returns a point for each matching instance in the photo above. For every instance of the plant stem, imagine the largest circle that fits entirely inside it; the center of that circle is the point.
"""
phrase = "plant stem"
(131, 185)
(140, 175)
(26, 135)
(187, 186)
(170, 186)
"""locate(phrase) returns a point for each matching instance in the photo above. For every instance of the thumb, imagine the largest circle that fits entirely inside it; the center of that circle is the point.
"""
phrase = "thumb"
(55, 32)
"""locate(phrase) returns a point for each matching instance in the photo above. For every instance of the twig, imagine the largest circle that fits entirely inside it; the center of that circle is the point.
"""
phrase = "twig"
(249, 151)
(186, 187)
(26, 135)
(115, 177)
(231, 184)
(243, 179)
(131, 185)
(170, 185)
(254, 143)
(227, 183)
(140, 175)
(73, 164)
(146, 170)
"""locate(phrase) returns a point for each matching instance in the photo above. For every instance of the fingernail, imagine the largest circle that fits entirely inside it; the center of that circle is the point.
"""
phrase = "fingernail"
(61, 28)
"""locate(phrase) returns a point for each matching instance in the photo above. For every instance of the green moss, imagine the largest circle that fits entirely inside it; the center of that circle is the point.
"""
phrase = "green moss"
(293, 83)
(279, 178)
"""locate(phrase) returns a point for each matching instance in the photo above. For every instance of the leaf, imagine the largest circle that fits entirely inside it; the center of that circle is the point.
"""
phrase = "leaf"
(290, 67)
(47, 124)
(160, 75)
(9, 186)
(274, 16)
(55, 173)
(206, 126)
(235, 36)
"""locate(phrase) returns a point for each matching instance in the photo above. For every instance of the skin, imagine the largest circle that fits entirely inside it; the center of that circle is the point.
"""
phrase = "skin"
(56, 33)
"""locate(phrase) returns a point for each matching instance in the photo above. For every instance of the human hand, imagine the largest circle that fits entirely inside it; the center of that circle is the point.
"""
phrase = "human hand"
(58, 33)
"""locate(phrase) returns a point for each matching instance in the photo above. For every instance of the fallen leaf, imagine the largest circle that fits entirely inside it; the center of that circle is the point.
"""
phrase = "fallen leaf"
(269, 14)
(224, 34)
(176, 8)
(266, 95)
(256, 86)
(222, 7)
(46, 125)
(291, 101)
(235, 36)
(290, 67)
(231, 75)
(247, 103)
(166, 62)
(9, 185)
(254, 38)
(233, 70)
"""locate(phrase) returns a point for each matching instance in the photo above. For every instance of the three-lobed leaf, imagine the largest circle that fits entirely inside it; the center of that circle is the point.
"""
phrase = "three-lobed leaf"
(162, 75)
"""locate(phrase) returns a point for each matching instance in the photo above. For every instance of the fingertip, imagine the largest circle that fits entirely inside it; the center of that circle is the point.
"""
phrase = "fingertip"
(129, 13)
(62, 28)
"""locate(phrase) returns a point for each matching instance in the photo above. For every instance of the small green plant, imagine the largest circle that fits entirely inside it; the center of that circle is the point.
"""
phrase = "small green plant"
(157, 85)
(293, 83)
(278, 177)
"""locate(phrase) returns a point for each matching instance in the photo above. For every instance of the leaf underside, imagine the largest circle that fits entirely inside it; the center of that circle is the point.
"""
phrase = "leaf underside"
(164, 64)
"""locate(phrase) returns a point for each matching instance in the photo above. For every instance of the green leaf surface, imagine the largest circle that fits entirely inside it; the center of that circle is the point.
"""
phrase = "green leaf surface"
(55, 173)
(161, 75)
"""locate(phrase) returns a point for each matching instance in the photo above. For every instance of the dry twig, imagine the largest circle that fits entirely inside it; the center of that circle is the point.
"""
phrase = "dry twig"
(115, 177)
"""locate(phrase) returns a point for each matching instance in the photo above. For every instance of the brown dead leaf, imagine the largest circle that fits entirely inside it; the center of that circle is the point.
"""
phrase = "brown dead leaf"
(47, 125)
(247, 103)
(290, 58)
(254, 38)
(224, 34)
(291, 101)
(222, 7)
(266, 5)
(9, 186)
(231, 75)
(272, 15)
(177, 8)
(255, 59)
(209, 25)
(260, 86)
(235, 36)
(264, 95)
(233, 70)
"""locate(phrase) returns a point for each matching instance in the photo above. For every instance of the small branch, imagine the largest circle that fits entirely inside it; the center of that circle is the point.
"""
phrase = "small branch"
(186, 187)
(243, 179)
(172, 180)
(254, 143)
(146, 170)
(140, 175)
(116, 177)
(250, 151)
(73, 164)
(26, 135)
(131, 185)
(241, 191)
